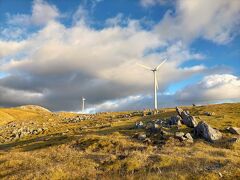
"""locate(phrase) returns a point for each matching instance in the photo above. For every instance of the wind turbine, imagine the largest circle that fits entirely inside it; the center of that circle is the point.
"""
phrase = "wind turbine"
(83, 100)
(154, 70)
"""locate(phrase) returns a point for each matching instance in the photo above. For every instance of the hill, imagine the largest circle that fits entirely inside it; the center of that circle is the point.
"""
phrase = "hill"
(38, 144)
(34, 108)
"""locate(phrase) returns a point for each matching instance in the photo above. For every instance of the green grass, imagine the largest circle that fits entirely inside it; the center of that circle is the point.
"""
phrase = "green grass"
(69, 151)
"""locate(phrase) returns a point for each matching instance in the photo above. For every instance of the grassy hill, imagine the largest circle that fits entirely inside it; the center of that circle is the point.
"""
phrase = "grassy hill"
(104, 146)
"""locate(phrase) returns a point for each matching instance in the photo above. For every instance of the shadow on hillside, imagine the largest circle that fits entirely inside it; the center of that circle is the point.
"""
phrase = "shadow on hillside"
(37, 143)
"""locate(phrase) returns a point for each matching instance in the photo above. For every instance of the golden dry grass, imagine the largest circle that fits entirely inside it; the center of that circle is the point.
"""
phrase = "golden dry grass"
(69, 151)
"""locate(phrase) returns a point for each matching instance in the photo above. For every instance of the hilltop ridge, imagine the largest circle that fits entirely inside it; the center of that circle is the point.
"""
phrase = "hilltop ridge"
(34, 107)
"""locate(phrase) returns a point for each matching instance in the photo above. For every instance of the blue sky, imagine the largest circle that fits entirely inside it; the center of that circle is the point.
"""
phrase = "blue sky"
(47, 46)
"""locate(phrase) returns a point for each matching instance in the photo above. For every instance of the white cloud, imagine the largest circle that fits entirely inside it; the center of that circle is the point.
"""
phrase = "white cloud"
(81, 60)
(116, 21)
(42, 13)
(62, 64)
(8, 48)
(12, 33)
(215, 20)
(212, 88)
(81, 16)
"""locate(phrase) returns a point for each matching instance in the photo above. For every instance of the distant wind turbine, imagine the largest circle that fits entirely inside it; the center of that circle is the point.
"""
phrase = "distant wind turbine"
(154, 70)
(83, 101)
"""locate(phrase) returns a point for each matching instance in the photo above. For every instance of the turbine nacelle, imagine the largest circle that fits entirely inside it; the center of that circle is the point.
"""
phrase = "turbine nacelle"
(154, 70)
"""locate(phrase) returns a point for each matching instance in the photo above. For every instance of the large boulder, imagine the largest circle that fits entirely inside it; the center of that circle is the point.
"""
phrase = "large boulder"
(187, 119)
(205, 131)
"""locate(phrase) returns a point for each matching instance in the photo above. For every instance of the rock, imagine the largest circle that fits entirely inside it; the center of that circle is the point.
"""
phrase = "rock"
(147, 141)
(153, 127)
(187, 119)
(189, 137)
(160, 122)
(175, 120)
(142, 136)
(209, 113)
(233, 140)
(137, 113)
(147, 113)
(139, 125)
(207, 132)
(234, 130)
(164, 133)
(180, 136)
(220, 174)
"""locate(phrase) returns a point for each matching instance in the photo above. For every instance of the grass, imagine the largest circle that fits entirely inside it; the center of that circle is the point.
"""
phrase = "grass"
(90, 150)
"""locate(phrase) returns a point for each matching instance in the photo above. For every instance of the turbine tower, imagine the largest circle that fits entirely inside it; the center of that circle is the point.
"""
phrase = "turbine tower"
(154, 70)
(83, 101)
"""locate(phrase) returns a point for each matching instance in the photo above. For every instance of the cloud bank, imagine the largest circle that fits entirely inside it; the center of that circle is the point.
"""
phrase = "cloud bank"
(57, 65)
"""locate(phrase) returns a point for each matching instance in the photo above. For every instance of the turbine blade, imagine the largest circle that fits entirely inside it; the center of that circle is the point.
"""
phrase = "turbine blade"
(161, 64)
(146, 67)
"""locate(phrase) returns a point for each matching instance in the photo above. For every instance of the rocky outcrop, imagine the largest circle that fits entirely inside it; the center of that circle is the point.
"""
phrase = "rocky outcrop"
(187, 119)
(78, 118)
(14, 131)
(205, 131)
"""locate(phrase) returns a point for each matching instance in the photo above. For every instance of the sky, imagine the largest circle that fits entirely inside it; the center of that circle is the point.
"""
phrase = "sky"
(54, 52)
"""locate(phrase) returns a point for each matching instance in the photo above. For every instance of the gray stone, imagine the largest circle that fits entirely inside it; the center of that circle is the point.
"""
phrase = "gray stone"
(142, 136)
(175, 120)
(139, 125)
(189, 137)
(187, 119)
(233, 140)
(207, 132)
(179, 134)
(147, 141)
(234, 130)
(153, 127)
(209, 113)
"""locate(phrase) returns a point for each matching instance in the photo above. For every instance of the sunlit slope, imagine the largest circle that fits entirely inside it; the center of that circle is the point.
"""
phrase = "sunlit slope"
(225, 115)
(22, 113)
